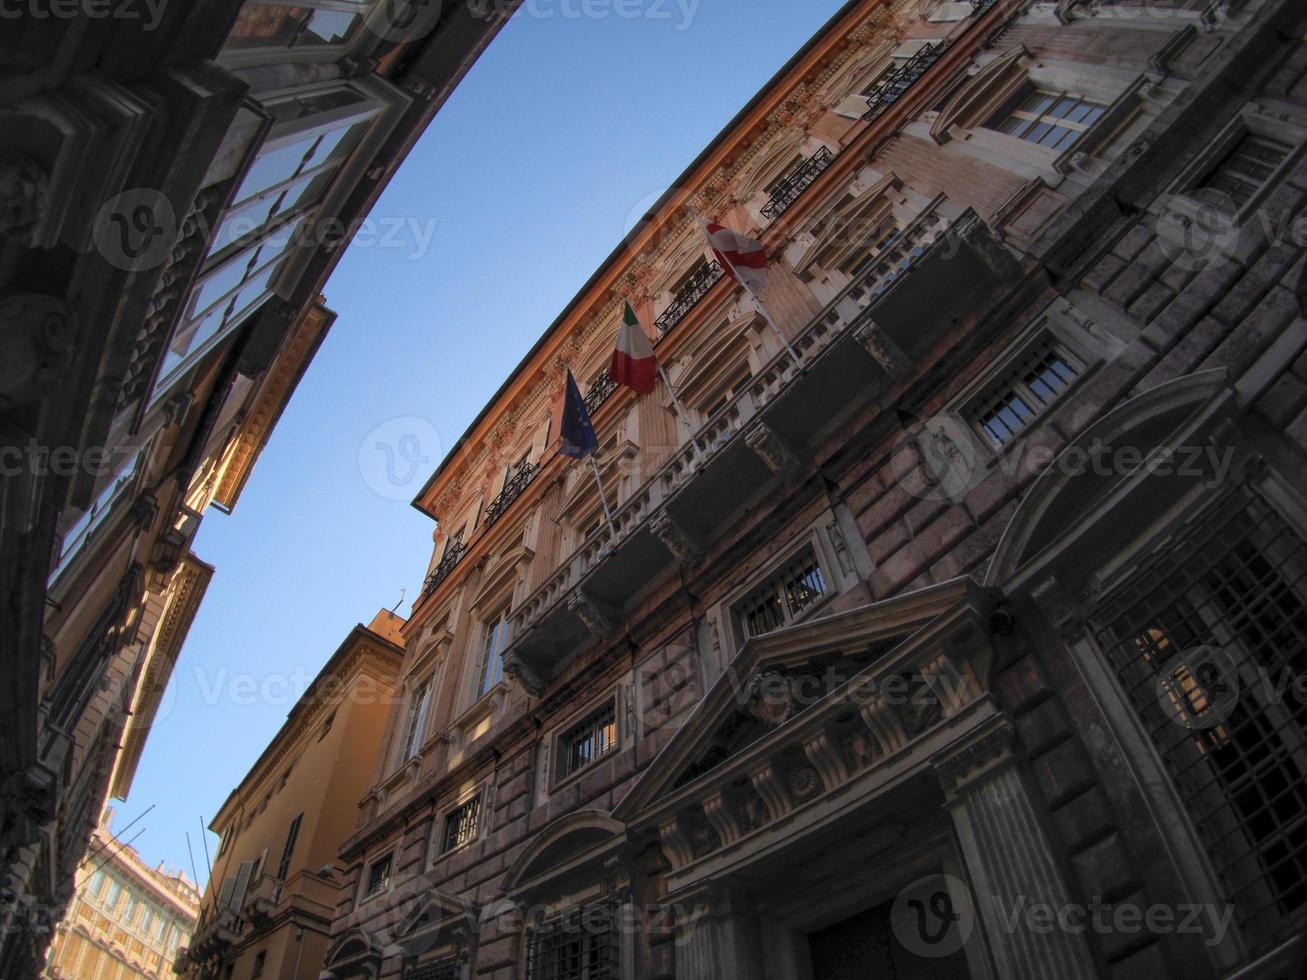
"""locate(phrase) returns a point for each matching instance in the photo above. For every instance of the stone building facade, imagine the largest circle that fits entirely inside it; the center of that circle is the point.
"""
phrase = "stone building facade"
(176, 183)
(933, 641)
(268, 907)
(126, 920)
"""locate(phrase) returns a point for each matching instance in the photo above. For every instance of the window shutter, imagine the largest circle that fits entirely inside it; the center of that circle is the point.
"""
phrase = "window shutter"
(541, 441)
(224, 896)
(242, 883)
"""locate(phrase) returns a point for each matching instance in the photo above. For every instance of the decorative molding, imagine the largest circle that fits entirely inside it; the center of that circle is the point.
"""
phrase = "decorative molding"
(37, 338)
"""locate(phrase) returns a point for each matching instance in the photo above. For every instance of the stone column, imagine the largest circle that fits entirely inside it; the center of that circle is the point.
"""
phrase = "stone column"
(717, 936)
(1010, 860)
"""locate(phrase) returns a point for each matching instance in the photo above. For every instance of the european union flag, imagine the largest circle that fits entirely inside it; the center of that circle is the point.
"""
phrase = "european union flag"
(579, 439)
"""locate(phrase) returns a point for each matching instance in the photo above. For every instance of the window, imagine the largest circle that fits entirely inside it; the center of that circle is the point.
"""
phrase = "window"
(326, 726)
(1021, 394)
(724, 397)
(1047, 118)
(583, 946)
(491, 669)
(442, 969)
(1234, 181)
(271, 26)
(260, 958)
(785, 594)
(378, 879)
(699, 268)
(1199, 638)
(283, 869)
(129, 909)
(82, 529)
(97, 883)
(111, 899)
(461, 824)
(147, 921)
(415, 729)
(314, 135)
(587, 741)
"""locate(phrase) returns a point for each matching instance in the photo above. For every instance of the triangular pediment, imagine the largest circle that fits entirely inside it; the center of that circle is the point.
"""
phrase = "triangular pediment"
(777, 680)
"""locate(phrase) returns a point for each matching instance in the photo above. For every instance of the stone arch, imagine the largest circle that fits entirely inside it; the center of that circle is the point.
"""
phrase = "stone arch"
(1160, 419)
(565, 838)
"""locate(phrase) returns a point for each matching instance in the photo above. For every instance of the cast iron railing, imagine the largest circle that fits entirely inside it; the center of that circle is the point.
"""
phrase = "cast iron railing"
(792, 187)
(452, 557)
(689, 296)
(895, 84)
(600, 389)
(512, 490)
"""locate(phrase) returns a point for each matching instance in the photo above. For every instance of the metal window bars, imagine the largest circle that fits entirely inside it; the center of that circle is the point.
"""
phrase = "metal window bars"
(896, 82)
(461, 824)
(1202, 638)
(785, 594)
(689, 295)
(582, 945)
(792, 187)
(587, 741)
(442, 969)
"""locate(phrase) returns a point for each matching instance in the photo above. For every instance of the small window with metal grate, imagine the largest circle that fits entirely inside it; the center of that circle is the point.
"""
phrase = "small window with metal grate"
(461, 825)
(587, 741)
(582, 946)
(785, 594)
(1021, 393)
(1201, 638)
(378, 877)
(1242, 172)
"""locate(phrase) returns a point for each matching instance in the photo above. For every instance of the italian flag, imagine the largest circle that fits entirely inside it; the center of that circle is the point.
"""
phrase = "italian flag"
(633, 360)
(743, 258)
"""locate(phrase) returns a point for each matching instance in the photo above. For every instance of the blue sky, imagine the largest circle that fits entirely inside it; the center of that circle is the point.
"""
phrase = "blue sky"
(562, 135)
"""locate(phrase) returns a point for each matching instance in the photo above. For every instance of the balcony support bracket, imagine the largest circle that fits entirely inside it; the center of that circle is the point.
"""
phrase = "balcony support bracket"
(683, 545)
(597, 617)
(883, 350)
(775, 451)
(526, 675)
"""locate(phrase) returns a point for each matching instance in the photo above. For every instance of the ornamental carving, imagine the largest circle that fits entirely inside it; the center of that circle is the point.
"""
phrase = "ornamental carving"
(37, 337)
(24, 185)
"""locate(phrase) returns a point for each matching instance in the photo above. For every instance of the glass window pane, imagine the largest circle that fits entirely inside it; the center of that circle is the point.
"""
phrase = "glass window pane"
(276, 165)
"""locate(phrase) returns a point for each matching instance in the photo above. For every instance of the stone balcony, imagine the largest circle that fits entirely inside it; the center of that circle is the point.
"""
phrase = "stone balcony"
(945, 262)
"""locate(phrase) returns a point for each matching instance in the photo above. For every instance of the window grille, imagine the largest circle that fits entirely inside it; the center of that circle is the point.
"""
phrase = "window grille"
(587, 741)
(461, 824)
(1243, 172)
(785, 594)
(1047, 118)
(1229, 598)
(445, 969)
(378, 877)
(583, 946)
(1033, 382)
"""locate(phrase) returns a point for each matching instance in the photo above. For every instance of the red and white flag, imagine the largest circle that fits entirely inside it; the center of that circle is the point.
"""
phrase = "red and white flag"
(741, 256)
(633, 361)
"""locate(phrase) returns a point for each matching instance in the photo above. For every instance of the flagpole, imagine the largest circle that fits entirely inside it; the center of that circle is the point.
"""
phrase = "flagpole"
(766, 314)
(603, 500)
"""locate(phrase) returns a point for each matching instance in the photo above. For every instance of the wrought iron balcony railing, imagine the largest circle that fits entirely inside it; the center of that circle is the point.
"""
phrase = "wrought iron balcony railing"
(452, 557)
(895, 84)
(512, 490)
(979, 5)
(689, 296)
(603, 386)
(793, 186)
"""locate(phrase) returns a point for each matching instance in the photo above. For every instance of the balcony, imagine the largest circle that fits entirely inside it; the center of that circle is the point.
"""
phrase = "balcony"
(693, 291)
(512, 490)
(448, 563)
(941, 270)
(262, 898)
(599, 392)
(896, 83)
(792, 187)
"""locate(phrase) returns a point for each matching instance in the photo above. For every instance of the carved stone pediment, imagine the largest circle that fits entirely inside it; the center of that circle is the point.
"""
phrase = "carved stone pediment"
(806, 711)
